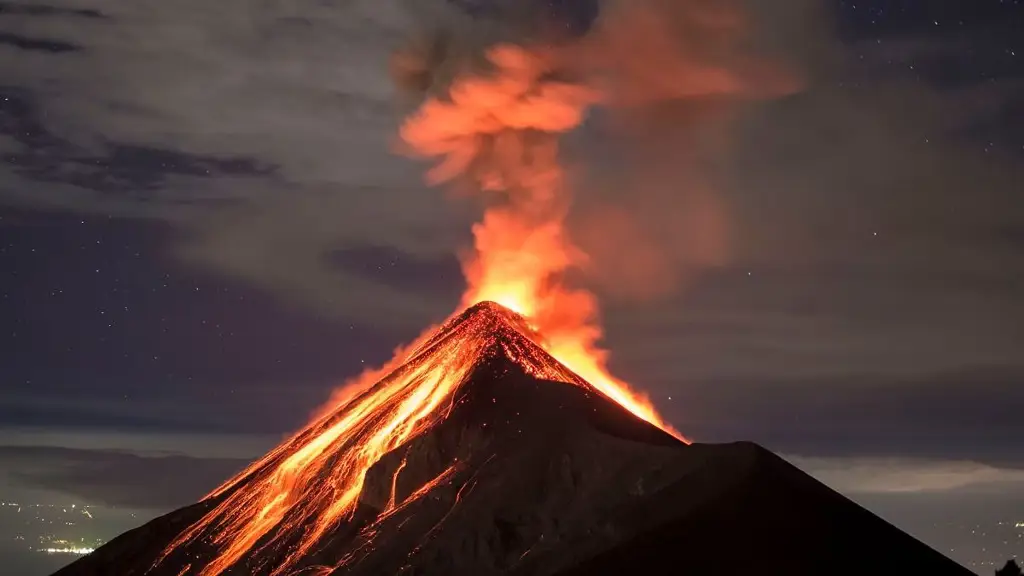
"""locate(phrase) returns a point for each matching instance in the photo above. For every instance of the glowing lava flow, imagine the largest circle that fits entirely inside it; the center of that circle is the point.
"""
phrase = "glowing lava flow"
(297, 493)
(501, 130)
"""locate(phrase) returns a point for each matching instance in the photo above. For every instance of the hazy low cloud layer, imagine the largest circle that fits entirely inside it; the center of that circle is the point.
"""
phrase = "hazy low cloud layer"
(114, 478)
(896, 475)
(150, 480)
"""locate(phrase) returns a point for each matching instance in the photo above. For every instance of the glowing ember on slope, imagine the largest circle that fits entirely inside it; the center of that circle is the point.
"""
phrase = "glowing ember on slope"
(312, 482)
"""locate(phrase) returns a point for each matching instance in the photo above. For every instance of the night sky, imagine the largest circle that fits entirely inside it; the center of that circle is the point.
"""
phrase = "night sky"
(204, 229)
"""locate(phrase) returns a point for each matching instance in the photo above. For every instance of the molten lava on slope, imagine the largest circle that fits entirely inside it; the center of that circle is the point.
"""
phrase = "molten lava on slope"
(286, 506)
(482, 455)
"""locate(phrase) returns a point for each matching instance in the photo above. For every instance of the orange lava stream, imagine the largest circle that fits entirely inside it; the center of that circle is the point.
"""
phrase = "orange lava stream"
(575, 346)
(317, 485)
(313, 481)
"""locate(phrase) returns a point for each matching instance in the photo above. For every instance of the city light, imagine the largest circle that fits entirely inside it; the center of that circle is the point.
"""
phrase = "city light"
(68, 550)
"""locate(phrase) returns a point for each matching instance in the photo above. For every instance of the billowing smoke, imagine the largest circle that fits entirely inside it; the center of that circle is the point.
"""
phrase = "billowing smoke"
(643, 211)
(675, 74)
(498, 130)
(494, 115)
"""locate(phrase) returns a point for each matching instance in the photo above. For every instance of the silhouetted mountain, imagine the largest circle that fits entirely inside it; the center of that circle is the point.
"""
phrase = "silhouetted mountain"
(1010, 569)
(525, 469)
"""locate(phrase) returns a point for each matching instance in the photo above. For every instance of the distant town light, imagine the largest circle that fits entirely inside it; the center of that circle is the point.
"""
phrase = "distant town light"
(68, 550)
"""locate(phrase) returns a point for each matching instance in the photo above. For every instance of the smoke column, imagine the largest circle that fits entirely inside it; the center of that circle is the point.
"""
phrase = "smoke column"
(494, 125)
(500, 129)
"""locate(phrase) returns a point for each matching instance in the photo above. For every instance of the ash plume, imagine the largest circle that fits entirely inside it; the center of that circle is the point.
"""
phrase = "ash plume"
(660, 79)
(494, 115)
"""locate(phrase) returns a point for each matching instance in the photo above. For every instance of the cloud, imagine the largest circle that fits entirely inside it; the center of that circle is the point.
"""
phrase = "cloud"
(24, 43)
(114, 478)
(289, 108)
(162, 443)
(902, 475)
(117, 170)
(967, 415)
(123, 469)
(259, 408)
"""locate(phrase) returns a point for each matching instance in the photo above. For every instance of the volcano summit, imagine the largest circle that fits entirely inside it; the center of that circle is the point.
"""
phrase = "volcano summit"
(480, 455)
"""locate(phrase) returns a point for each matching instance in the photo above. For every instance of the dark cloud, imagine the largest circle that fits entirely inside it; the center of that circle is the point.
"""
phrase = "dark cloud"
(205, 132)
(913, 476)
(117, 479)
(111, 168)
(47, 10)
(39, 44)
(971, 414)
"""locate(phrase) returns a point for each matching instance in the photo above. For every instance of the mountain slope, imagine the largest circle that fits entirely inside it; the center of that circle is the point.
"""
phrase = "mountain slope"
(523, 469)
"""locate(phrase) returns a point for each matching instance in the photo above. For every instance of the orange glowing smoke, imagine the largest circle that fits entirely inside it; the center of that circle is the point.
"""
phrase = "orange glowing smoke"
(501, 130)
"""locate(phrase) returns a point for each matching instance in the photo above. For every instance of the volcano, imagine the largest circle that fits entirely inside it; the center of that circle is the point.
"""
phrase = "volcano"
(482, 455)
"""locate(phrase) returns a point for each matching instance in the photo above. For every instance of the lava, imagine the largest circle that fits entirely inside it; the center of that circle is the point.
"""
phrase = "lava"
(312, 482)
(499, 130)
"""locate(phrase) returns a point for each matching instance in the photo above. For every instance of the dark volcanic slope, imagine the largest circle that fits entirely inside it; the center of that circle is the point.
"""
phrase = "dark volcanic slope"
(763, 517)
(533, 477)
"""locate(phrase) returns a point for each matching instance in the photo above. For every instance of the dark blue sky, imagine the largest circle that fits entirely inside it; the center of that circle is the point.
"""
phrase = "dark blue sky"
(175, 259)
(95, 308)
